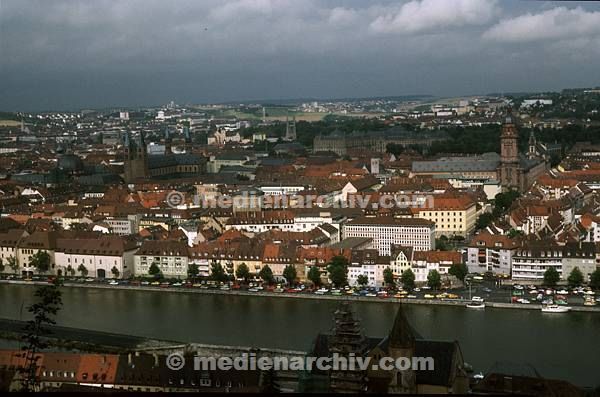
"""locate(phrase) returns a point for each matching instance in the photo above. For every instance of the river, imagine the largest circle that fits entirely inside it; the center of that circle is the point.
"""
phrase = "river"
(562, 346)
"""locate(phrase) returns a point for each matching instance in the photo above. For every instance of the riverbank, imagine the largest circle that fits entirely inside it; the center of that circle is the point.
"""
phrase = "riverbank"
(347, 298)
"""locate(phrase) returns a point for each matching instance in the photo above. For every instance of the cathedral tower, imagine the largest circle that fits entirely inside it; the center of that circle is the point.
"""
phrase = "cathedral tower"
(509, 154)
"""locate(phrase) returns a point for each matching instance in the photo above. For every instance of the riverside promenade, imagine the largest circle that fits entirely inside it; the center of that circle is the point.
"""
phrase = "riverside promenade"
(266, 294)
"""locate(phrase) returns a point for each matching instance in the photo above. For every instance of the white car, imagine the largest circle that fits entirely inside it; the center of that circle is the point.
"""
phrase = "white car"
(517, 286)
(321, 291)
(114, 283)
(523, 300)
(563, 292)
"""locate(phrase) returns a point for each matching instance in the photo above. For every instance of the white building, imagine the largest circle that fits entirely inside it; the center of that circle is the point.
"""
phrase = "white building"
(387, 231)
(171, 257)
(107, 257)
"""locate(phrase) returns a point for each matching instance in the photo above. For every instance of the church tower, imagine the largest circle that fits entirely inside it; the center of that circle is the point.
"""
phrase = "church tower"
(509, 154)
(532, 152)
(136, 158)
(402, 344)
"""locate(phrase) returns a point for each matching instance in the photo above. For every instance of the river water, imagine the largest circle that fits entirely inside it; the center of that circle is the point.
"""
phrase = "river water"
(562, 346)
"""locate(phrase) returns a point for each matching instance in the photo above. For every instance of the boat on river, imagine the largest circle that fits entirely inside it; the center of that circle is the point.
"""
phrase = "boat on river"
(555, 309)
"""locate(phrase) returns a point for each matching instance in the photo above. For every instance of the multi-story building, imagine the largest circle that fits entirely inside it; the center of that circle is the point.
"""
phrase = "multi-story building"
(170, 256)
(453, 216)
(423, 262)
(491, 253)
(534, 257)
(580, 255)
(387, 230)
(367, 263)
(106, 257)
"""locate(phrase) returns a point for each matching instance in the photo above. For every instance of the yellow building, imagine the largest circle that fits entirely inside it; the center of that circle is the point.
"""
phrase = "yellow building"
(453, 216)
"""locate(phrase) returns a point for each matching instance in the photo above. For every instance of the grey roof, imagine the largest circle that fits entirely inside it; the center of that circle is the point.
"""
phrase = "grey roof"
(484, 162)
(159, 161)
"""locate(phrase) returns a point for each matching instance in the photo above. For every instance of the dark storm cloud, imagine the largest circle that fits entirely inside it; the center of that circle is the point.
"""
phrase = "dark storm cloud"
(73, 54)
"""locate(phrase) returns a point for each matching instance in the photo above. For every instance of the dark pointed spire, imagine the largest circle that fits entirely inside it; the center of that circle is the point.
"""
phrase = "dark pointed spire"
(402, 334)
(167, 134)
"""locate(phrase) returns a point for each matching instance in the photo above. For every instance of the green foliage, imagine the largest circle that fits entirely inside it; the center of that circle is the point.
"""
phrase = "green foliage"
(459, 271)
(575, 278)
(551, 277)
(484, 220)
(314, 275)
(47, 305)
(12, 263)
(41, 261)
(595, 279)
(388, 277)
(193, 270)
(115, 272)
(408, 279)
(2, 266)
(362, 280)
(512, 233)
(503, 201)
(338, 271)
(266, 274)
(290, 274)
(217, 273)
(83, 270)
(242, 272)
(434, 280)
(70, 271)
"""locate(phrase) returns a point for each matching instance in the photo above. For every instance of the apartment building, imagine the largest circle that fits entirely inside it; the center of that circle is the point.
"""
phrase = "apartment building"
(424, 262)
(171, 257)
(533, 258)
(491, 253)
(367, 263)
(387, 231)
(453, 216)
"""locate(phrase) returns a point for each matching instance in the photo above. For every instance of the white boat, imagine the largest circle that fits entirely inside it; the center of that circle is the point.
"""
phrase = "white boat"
(475, 305)
(555, 309)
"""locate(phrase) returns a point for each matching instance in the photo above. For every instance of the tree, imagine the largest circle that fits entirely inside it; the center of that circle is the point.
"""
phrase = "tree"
(115, 272)
(12, 263)
(193, 270)
(41, 261)
(2, 266)
(217, 273)
(551, 277)
(338, 270)
(314, 275)
(512, 233)
(362, 280)
(408, 279)
(484, 220)
(243, 272)
(266, 274)
(459, 270)
(575, 277)
(595, 279)
(48, 303)
(83, 270)
(290, 274)
(70, 271)
(434, 280)
(388, 277)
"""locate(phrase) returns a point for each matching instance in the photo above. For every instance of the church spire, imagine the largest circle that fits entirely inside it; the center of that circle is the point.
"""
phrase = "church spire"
(401, 335)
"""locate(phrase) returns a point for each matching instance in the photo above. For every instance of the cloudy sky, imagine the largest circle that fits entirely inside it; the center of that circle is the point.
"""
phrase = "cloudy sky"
(61, 54)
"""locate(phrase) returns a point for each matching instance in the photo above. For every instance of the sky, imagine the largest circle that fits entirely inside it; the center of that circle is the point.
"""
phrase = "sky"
(71, 54)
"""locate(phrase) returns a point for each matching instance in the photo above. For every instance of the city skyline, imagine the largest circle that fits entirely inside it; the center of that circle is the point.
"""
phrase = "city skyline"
(73, 55)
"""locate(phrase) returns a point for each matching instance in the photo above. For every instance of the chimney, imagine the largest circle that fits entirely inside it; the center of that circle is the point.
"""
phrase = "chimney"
(375, 166)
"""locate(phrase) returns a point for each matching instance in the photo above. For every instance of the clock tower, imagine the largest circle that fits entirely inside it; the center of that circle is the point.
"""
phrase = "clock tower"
(509, 154)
